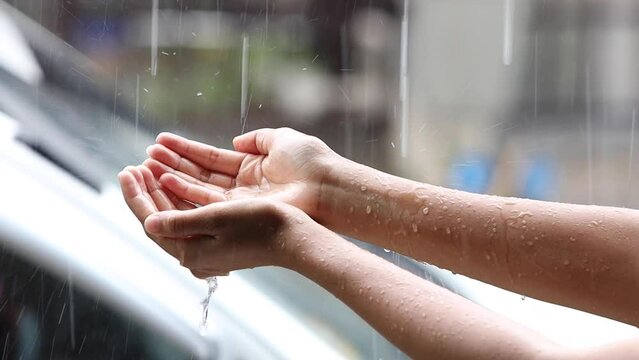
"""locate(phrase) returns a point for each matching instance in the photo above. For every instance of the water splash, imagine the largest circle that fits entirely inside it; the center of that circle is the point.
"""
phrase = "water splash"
(509, 15)
(212, 284)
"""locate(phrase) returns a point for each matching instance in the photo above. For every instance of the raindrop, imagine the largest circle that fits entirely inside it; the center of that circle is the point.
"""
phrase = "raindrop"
(244, 88)
(509, 14)
(403, 81)
(154, 39)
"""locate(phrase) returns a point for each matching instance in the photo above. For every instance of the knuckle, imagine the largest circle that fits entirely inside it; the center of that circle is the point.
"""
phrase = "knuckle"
(174, 225)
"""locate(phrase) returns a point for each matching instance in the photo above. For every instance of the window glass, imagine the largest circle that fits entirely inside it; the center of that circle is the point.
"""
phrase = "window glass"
(43, 316)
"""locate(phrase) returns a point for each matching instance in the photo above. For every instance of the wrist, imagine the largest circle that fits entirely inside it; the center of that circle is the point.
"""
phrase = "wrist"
(333, 189)
(306, 246)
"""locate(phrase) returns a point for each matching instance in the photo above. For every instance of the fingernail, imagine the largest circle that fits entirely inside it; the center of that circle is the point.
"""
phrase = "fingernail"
(152, 224)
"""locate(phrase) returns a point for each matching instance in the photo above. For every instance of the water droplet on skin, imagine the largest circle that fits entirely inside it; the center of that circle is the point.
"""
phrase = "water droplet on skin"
(447, 231)
(350, 209)
(414, 226)
(445, 208)
(566, 262)
(529, 243)
(425, 211)
(572, 239)
(368, 209)
(386, 250)
(363, 188)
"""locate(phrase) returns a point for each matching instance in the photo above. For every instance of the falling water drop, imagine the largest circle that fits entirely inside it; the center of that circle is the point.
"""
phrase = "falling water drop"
(137, 106)
(509, 14)
(631, 150)
(154, 39)
(244, 89)
(212, 284)
(403, 82)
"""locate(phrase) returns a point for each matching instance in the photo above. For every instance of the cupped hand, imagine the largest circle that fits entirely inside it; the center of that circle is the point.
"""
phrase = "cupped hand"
(217, 238)
(280, 164)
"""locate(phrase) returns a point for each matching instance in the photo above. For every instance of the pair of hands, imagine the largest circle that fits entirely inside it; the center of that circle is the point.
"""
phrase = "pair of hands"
(218, 210)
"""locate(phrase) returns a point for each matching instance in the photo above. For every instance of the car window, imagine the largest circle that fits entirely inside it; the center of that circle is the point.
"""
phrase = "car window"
(43, 316)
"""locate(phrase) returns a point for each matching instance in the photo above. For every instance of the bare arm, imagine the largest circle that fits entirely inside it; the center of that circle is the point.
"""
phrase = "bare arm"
(422, 319)
(585, 257)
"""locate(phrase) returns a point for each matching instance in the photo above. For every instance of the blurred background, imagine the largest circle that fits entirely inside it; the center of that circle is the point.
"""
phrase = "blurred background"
(534, 99)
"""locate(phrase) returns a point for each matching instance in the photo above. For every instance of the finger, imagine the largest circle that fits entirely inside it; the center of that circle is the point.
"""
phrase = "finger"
(191, 192)
(173, 247)
(179, 163)
(207, 156)
(200, 274)
(161, 200)
(141, 184)
(255, 142)
(158, 169)
(137, 202)
(179, 203)
(207, 273)
(179, 224)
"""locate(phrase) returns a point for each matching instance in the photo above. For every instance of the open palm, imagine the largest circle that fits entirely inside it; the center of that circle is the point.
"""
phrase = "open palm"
(278, 163)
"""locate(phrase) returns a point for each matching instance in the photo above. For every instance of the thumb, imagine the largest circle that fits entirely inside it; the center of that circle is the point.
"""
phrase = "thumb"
(180, 223)
(255, 142)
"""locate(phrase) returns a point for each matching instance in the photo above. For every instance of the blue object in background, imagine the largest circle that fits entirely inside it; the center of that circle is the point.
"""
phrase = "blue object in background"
(539, 179)
(472, 173)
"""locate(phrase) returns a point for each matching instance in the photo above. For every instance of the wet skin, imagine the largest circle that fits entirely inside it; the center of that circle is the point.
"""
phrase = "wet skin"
(279, 185)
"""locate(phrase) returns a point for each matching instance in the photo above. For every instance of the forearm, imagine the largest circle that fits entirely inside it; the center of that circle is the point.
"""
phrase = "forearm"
(420, 318)
(580, 256)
